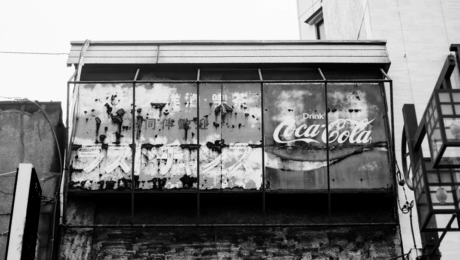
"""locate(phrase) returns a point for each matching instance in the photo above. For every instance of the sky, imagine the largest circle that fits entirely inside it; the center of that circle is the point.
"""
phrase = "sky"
(50, 26)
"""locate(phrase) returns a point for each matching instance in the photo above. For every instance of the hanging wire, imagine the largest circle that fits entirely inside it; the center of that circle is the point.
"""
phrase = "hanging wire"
(407, 207)
(34, 53)
(412, 227)
(403, 256)
(6, 173)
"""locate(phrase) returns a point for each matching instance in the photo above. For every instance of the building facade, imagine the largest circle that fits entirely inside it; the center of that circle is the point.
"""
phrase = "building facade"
(418, 34)
(229, 150)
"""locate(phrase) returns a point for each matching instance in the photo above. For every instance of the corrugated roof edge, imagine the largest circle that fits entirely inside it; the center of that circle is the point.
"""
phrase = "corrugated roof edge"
(234, 42)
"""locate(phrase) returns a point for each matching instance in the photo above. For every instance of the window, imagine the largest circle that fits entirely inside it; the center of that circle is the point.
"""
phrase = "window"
(316, 19)
(320, 31)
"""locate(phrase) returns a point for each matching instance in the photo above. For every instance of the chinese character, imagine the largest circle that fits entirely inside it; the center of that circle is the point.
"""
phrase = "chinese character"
(239, 98)
(193, 100)
(151, 123)
(204, 123)
(217, 99)
(168, 123)
(175, 100)
(184, 124)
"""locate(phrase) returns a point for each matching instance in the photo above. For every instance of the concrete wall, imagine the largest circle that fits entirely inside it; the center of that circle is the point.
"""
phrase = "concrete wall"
(26, 137)
(418, 35)
(343, 20)
(305, 9)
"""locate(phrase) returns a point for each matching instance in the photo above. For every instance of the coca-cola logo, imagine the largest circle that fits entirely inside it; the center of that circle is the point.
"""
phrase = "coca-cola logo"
(340, 131)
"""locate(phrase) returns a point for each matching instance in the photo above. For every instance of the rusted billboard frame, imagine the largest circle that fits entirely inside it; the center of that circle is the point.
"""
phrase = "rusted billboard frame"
(335, 224)
(263, 142)
(198, 200)
(133, 147)
(327, 145)
(261, 81)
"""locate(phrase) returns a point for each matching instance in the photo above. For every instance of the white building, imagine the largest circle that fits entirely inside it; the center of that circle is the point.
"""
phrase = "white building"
(418, 35)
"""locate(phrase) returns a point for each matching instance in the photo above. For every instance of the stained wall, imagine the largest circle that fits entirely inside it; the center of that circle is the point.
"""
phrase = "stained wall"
(26, 137)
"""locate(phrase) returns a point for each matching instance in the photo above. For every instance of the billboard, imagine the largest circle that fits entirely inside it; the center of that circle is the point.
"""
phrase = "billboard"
(223, 133)
(295, 137)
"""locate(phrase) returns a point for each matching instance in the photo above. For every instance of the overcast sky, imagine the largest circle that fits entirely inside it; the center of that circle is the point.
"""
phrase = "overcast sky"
(49, 26)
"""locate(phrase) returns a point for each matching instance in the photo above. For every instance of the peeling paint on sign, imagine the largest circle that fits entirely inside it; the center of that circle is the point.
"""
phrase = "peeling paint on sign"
(223, 137)
(231, 152)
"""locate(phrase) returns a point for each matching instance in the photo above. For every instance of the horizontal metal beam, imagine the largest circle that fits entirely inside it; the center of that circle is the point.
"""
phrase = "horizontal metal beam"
(236, 42)
(232, 225)
(232, 81)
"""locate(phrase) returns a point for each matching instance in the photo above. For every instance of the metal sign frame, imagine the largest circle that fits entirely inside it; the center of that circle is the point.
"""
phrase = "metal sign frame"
(390, 133)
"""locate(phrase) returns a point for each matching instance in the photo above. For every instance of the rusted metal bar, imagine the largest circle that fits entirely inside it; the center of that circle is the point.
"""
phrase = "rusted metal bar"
(263, 141)
(438, 243)
(392, 145)
(133, 147)
(409, 129)
(385, 75)
(235, 225)
(190, 191)
(62, 200)
(198, 150)
(234, 81)
(67, 148)
(81, 60)
(456, 48)
(327, 145)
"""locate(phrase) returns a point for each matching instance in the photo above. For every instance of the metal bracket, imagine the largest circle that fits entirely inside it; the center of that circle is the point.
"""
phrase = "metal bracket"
(456, 49)
(81, 60)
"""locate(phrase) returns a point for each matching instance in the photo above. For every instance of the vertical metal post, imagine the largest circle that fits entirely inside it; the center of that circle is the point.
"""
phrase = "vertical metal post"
(62, 199)
(199, 147)
(392, 127)
(327, 145)
(133, 147)
(67, 153)
(263, 142)
(391, 141)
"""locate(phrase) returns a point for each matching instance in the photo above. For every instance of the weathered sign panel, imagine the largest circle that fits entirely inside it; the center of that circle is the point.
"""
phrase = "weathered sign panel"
(218, 128)
(230, 136)
(164, 133)
(295, 137)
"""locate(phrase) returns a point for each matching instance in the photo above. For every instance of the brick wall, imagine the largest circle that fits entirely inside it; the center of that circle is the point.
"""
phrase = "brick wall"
(233, 243)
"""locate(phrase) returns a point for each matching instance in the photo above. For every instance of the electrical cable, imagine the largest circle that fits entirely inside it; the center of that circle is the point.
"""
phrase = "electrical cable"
(52, 130)
(397, 257)
(6, 173)
(407, 208)
(412, 229)
(404, 209)
(34, 53)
